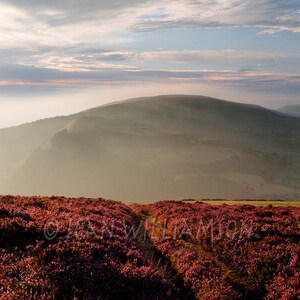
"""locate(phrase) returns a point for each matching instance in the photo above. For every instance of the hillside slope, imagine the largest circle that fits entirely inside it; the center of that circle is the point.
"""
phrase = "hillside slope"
(17, 143)
(165, 147)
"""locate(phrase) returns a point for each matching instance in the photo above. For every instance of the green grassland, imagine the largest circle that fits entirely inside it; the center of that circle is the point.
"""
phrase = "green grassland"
(254, 202)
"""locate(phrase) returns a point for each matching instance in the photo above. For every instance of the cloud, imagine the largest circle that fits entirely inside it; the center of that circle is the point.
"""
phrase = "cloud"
(35, 25)
(208, 55)
(57, 44)
(27, 24)
(86, 67)
(69, 35)
(18, 78)
(274, 15)
(98, 59)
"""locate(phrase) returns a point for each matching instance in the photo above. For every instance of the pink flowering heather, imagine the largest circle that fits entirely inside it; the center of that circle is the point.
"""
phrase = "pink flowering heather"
(90, 256)
(230, 252)
(67, 248)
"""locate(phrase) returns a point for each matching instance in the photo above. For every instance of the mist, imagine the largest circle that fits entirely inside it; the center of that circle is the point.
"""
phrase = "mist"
(22, 108)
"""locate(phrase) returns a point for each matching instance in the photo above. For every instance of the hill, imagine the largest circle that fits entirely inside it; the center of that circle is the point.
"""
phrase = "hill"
(164, 147)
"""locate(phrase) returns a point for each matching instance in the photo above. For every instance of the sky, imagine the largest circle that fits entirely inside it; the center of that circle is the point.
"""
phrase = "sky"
(60, 57)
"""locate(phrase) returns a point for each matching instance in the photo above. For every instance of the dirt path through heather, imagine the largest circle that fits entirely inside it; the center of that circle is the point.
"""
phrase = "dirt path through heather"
(160, 261)
(164, 263)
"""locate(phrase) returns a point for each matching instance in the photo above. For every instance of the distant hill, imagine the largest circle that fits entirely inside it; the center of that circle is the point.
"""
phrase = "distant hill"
(164, 147)
(293, 110)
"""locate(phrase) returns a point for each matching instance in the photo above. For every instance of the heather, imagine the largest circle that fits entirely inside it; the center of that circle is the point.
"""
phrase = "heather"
(81, 248)
(230, 252)
(90, 257)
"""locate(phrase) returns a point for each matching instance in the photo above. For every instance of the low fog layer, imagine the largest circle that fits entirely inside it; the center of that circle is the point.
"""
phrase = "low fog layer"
(293, 110)
(147, 149)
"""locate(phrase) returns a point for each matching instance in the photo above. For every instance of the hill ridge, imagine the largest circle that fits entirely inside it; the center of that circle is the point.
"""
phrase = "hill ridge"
(147, 148)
